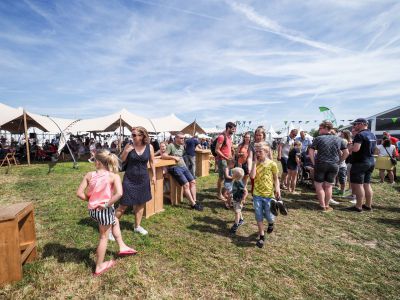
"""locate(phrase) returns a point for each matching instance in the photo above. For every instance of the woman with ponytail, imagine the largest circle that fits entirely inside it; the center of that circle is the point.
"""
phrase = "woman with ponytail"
(104, 188)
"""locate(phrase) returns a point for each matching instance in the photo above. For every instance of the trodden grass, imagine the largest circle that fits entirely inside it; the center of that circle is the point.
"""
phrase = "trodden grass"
(190, 254)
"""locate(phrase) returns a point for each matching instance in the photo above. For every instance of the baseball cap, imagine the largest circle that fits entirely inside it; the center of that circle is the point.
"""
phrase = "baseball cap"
(359, 120)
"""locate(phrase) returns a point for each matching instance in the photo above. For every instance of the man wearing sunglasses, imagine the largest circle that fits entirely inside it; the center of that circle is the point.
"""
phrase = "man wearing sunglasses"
(362, 150)
(180, 172)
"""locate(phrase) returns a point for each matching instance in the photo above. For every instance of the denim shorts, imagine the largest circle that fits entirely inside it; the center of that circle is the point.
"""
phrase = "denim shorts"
(361, 172)
(228, 186)
(325, 172)
(262, 209)
(342, 175)
(181, 174)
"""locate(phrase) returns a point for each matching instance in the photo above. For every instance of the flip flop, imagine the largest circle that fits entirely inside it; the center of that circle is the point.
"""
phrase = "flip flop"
(128, 252)
(111, 263)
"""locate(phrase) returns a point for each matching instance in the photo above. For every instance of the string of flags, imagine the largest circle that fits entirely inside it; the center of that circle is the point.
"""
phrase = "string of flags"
(394, 120)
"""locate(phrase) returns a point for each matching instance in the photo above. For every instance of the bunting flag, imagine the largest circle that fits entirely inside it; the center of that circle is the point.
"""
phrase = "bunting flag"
(394, 120)
(307, 122)
(249, 122)
(285, 122)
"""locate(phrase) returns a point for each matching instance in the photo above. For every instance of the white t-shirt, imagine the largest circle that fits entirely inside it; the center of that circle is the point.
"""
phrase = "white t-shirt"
(382, 151)
(287, 146)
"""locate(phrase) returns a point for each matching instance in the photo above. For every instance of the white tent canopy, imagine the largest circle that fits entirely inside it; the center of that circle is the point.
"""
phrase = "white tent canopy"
(169, 123)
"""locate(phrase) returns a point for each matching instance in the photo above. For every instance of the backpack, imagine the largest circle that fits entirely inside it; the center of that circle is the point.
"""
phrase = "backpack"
(213, 146)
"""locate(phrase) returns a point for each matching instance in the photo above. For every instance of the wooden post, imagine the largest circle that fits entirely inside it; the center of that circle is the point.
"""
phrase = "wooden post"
(28, 154)
(120, 131)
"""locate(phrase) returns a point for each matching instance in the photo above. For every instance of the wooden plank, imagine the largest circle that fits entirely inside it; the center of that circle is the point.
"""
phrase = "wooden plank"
(24, 245)
(10, 258)
(26, 253)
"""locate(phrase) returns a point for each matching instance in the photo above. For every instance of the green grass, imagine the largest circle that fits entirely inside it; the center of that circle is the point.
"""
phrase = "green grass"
(190, 254)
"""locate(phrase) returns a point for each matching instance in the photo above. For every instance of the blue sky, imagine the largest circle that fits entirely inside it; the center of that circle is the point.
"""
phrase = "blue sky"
(213, 60)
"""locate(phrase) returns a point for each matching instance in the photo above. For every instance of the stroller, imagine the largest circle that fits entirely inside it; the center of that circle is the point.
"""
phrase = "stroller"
(305, 172)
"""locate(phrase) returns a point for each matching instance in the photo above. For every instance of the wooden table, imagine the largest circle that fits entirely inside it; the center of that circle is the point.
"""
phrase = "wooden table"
(17, 240)
(203, 162)
(156, 204)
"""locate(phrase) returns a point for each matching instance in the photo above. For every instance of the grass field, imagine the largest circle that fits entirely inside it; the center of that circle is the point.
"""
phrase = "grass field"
(190, 254)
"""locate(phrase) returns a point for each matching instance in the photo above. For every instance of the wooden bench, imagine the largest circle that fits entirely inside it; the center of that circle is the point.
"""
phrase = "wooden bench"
(9, 159)
(17, 240)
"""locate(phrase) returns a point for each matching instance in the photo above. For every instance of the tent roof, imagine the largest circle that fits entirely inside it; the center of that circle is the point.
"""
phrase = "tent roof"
(193, 128)
(169, 123)
(112, 122)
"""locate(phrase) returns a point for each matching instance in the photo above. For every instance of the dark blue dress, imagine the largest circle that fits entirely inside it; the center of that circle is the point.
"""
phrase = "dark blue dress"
(136, 183)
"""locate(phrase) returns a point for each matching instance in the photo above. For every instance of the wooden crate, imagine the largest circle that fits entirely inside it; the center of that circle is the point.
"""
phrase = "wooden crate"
(17, 240)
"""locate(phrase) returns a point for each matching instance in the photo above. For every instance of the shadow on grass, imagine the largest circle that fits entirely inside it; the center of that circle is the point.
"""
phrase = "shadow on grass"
(65, 254)
(122, 224)
(392, 209)
(220, 227)
(389, 222)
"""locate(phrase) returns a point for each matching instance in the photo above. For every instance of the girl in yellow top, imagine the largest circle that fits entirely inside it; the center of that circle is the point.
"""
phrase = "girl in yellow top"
(266, 185)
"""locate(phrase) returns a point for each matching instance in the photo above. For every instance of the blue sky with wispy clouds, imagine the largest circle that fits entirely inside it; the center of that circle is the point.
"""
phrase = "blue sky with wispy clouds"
(213, 60)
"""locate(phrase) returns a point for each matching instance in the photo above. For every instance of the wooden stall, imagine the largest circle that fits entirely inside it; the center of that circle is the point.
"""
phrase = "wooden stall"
(156, 204)
(17, 240)
(203, 162)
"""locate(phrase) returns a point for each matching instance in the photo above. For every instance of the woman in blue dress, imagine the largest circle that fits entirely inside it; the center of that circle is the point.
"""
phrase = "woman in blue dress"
(136, 182)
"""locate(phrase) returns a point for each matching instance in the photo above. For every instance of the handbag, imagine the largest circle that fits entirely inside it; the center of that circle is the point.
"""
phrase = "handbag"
(392, 160)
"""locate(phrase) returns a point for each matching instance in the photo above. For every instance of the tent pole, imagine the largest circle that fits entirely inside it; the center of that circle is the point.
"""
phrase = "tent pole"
(28, 154)
(120, 132)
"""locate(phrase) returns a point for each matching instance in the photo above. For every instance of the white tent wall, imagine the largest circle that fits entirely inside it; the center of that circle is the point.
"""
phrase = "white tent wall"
(168, 124)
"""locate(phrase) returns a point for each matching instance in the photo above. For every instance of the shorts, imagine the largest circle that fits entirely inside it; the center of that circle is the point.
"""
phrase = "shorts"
(325, 172)
(222, 165)
(292, 166)
(342, 174)
(262, 209)
(181, 174)
(284, 164)
(103, 216)
(237, 206)
(228, 186)
(360, 173)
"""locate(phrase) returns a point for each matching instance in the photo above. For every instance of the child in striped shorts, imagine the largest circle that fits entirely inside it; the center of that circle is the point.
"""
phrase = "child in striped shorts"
(104, 188)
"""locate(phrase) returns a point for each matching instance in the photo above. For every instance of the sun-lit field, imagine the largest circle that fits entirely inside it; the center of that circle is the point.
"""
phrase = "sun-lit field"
(190, 254)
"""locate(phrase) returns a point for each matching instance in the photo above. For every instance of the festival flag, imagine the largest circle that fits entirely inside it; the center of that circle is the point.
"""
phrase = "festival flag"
(323, 108)
(394, 120)
(285, 122)
(307, 122)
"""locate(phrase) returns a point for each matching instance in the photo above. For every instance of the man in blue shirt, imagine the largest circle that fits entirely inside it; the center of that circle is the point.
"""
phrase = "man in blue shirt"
(362, 150)
(305, 141)
(190, 154)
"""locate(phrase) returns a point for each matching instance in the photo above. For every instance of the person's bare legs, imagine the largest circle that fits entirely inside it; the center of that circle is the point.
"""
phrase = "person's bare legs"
(260, 226)
(120, 211)
(391, 176)
(219, 188)
(188, 194)
(382, 175)
(328, 192)
(368, 194)
(102, 247)
(192, 186)
(116, 231)
(139, 209)
(284, 179)
(319, 190)
(358, 190)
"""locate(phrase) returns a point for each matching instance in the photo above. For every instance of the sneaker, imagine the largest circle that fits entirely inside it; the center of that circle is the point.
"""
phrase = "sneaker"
(197, 206)
(141, 230)
(110, 236)
(354, 208)
(333, 202)
(282, 207)
(234, 228)
(89, 160)
(270, 228)
(368, 208)
(274, 207)
(241, 222)
(260, 242)
(350, 196)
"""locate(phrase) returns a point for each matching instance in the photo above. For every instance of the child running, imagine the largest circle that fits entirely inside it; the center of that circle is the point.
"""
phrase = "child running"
(266, 183)
(239, 194)
(104, 189)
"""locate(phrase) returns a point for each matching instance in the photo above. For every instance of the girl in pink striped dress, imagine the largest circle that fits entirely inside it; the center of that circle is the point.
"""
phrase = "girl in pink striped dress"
(103, 188)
